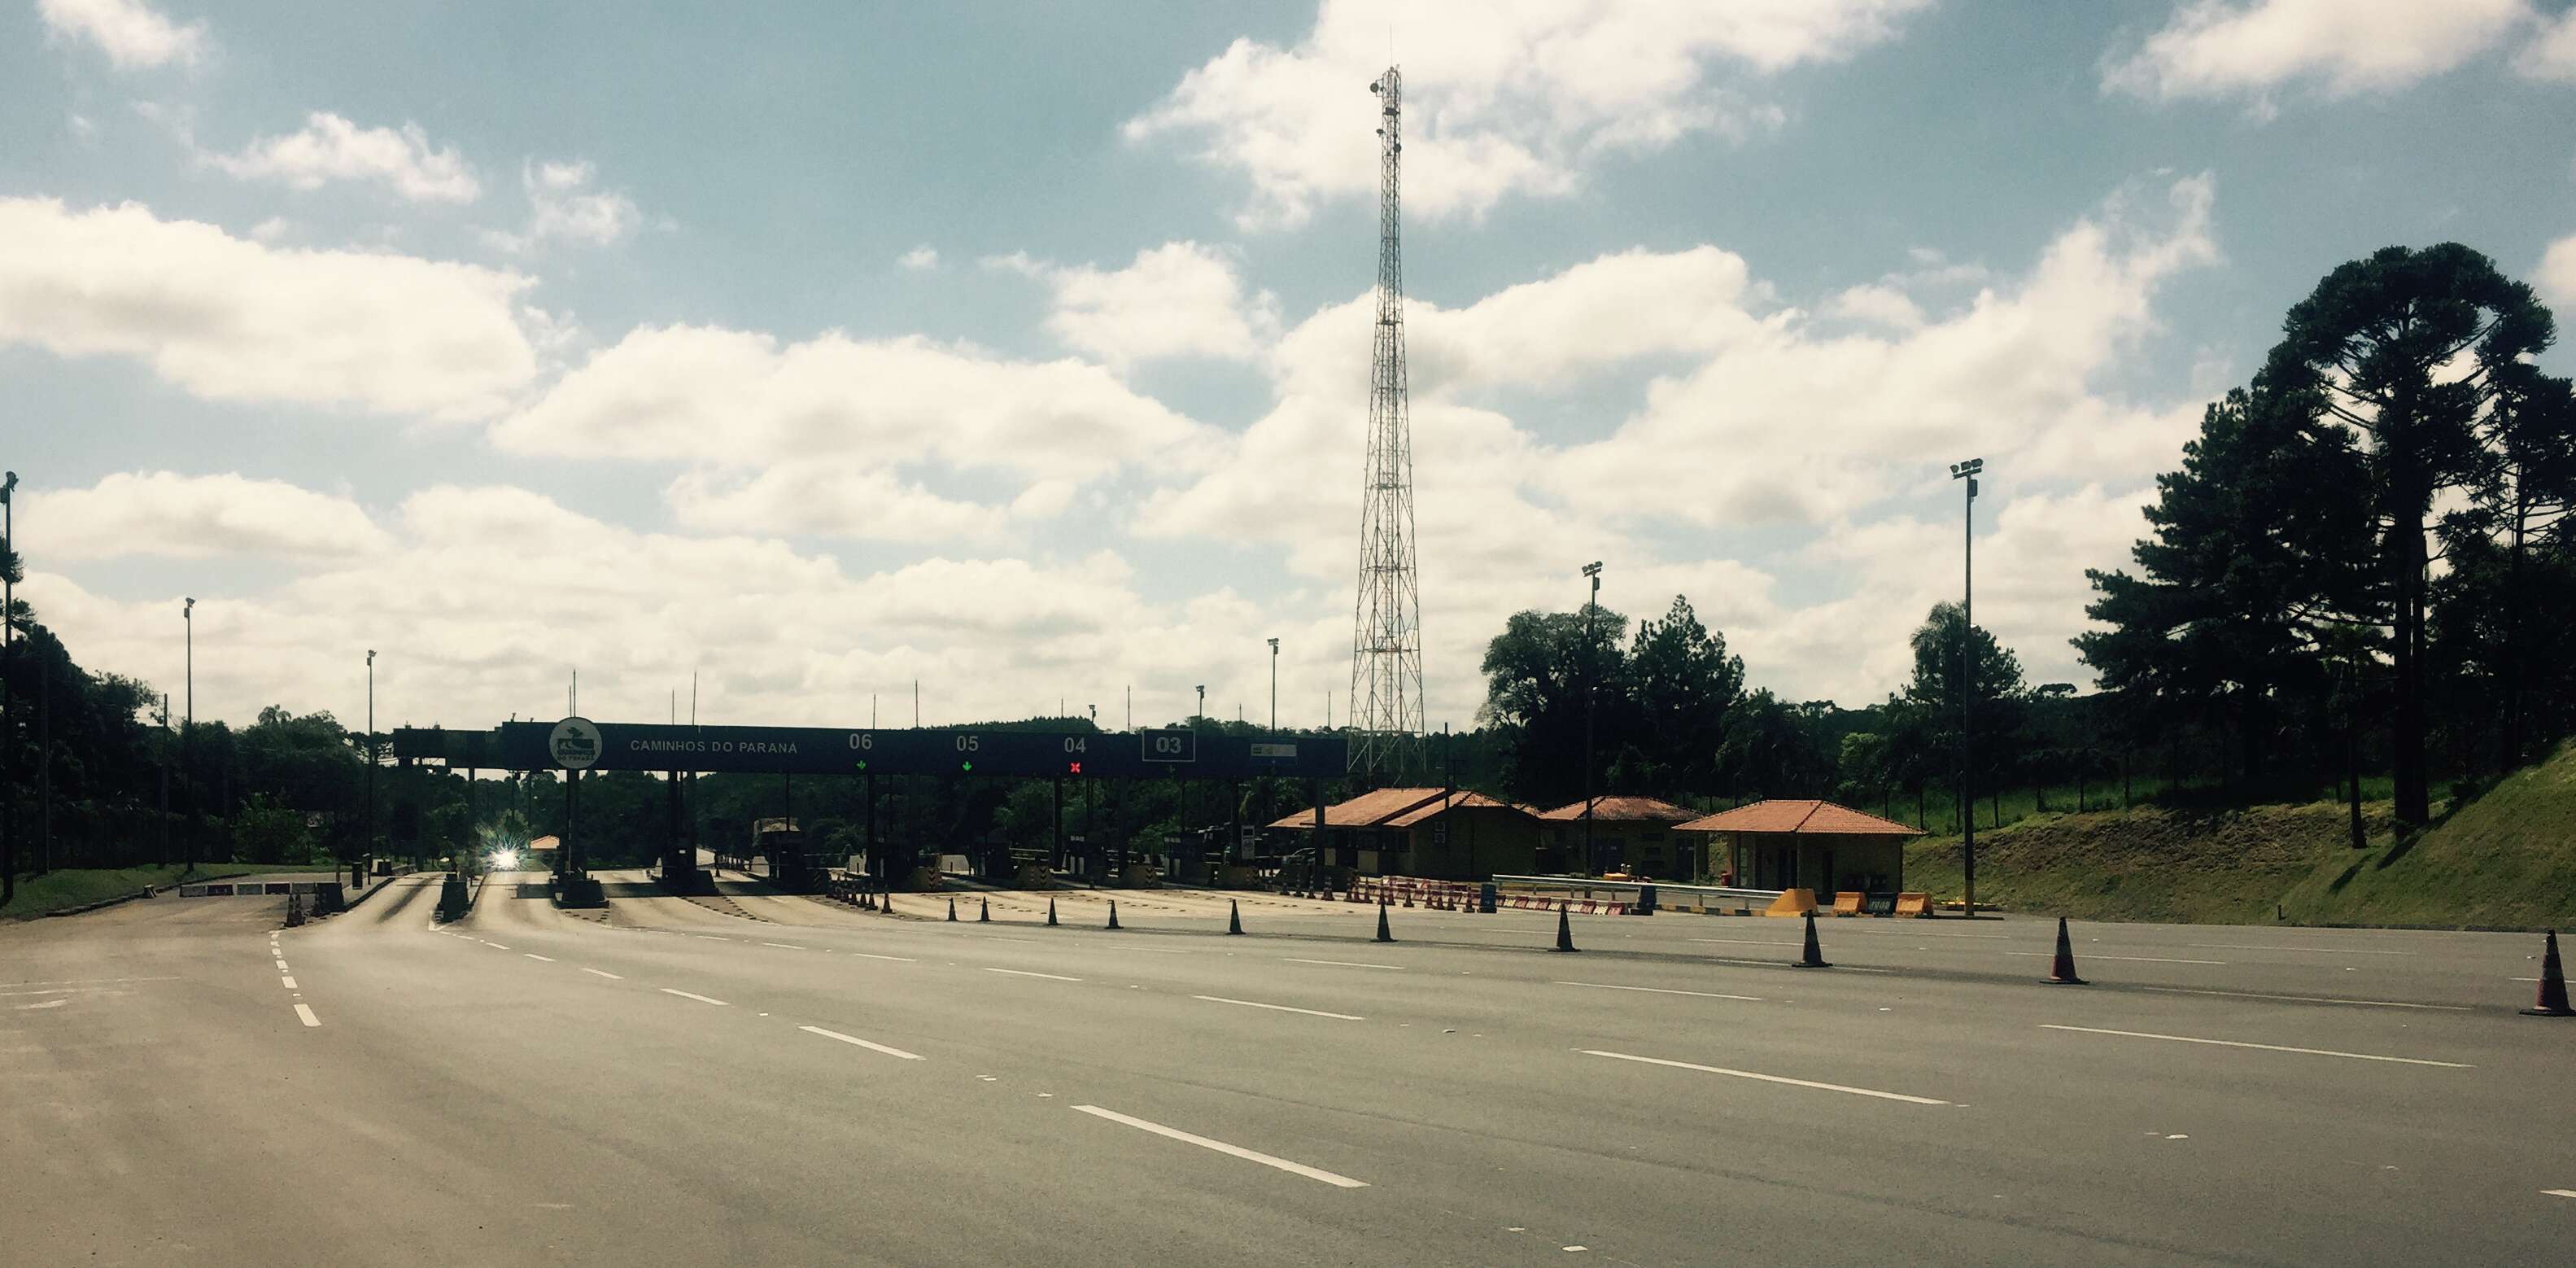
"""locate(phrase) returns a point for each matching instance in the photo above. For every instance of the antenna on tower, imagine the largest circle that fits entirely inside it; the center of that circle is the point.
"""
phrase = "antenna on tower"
(1386, 628)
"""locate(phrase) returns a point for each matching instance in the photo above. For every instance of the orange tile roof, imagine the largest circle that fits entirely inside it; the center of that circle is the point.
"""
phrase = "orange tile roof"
(1461, 801)
(1368, 810)
(1800, 816)
(1619, 809)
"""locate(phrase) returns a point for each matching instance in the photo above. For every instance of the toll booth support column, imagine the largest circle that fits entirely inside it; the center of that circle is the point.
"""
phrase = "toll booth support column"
(1055, 854)
(1315, 790)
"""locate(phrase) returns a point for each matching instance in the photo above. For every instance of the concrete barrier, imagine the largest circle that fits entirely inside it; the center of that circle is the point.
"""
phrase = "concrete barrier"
(1792, 902)
(1914, 905)
(1848, 902)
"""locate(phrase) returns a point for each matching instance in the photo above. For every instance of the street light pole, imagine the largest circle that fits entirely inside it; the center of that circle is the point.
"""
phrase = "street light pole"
(8, 645)
(1274, 686)
(188, 726)
(368, 833)
(1591, 693)
(1968, 472)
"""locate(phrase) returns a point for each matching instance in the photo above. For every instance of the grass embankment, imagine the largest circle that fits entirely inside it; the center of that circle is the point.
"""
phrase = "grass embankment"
(72, 886)
(2507, 858)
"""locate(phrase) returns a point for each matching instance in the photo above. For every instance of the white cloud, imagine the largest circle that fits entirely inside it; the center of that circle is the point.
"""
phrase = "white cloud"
(920, 259)
(486, 597)
(1879, 304)
(2551, 54)
(228, 319)
(1180, 299)
(2557, 279)
(331, 148)
(2221, 48)
(1520, 97)
(1751, 414)
(161, 513)
(131, 33)
(564, 208)
(769, 430)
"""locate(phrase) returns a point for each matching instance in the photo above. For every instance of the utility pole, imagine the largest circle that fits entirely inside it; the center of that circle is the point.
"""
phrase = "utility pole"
(1968, 472)
(8, 646)
(165, 777)
(367, 838)
(1274, 685)
(188, 728)
(1591, 694)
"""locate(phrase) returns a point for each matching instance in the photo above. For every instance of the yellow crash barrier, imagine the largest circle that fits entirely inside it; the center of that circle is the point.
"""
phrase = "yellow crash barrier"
(1792, 902)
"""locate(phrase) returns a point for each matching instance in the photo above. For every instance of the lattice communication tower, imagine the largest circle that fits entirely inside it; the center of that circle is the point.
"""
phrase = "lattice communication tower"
(1386, 630)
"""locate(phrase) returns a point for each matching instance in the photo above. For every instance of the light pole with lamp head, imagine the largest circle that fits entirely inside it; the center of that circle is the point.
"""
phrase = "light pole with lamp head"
(367, 834)
(1274, 685)
(1591, 692)
(1968, 471)
(8, 644)
(188, 725)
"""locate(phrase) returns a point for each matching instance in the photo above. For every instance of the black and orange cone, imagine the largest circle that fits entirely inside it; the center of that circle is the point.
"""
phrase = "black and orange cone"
(1813, 956)
(1565, 929)
(1050, 913)
(952, 911)
(984, 914)
(2062, 972)
(2553, 984)
(1233, 916)
(1113, 913)
(1383, 933)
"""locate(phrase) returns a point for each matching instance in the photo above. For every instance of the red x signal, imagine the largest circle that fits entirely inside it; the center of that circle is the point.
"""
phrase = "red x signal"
(1073, 768)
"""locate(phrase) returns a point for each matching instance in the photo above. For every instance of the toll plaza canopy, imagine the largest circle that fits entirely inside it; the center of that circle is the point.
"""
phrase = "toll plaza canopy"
(579, 744)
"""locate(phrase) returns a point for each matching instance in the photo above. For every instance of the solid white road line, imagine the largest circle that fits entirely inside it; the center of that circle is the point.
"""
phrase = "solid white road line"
(534, 956)
(1283, 1008)
(1766, 1078)
(900, 959)
(700, 998)
(305, 1011)
(1059, 977)
(2142, 959)
(854, 1039)
(2267, 1047)
(600, 973)
(2310, 999)
(1237, 1151)
(1343, 964)
(285, 981)
(1661, 990)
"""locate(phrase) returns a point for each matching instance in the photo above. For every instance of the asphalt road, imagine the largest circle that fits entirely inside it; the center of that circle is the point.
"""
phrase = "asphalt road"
(755, 1079)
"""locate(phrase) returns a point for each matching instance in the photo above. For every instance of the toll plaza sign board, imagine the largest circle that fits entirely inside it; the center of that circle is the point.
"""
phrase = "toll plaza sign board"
(1161, 754)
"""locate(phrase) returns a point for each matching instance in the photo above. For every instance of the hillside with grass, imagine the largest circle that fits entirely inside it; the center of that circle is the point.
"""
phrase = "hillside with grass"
(2505, 858)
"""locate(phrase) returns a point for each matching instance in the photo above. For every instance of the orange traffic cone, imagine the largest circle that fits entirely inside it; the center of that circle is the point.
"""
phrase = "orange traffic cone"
(2062, 973)
(2553, 984)
(1814, 956)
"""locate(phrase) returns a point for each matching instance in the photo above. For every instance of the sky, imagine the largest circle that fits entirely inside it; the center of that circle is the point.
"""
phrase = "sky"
(1022, 350)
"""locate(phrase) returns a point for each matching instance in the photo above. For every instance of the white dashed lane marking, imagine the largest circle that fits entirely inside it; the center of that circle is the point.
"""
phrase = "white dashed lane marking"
(1663, 990)
(602, 973)
(1766, 1078)
(855, 1040)
(2309, 999)
(2266, 1047)
(1278, 1008)
(285, 981)
(305, 1011)
(1237, 1151)
(534, 956)
(700, 998)
(1059, 977)
(1343, 964)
